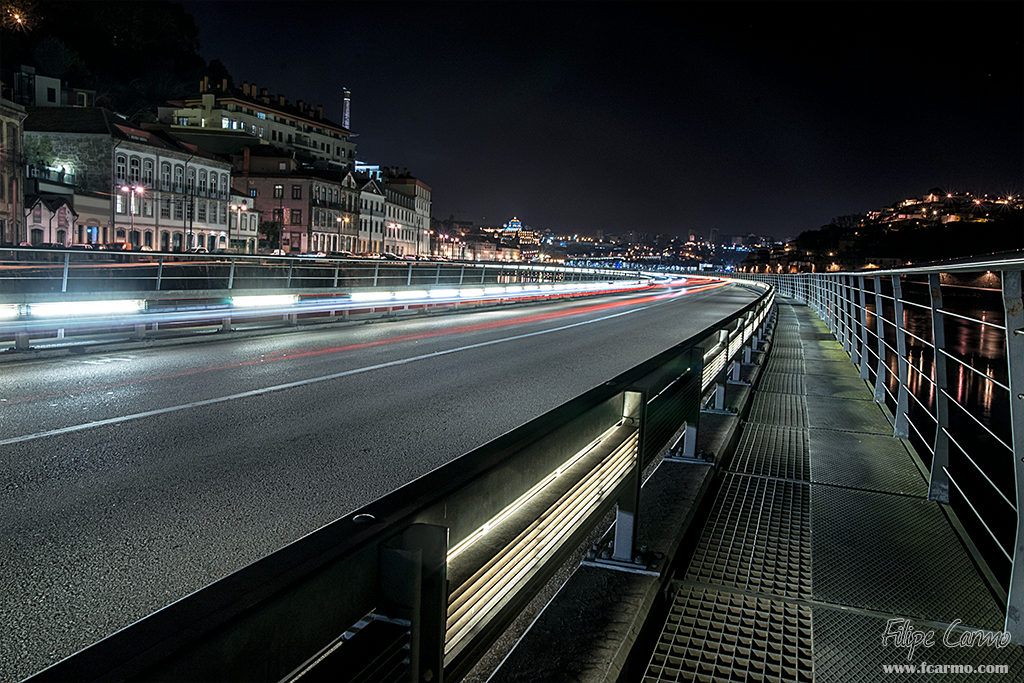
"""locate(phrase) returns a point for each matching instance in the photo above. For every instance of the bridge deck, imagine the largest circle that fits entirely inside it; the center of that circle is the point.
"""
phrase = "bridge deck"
(821, 533)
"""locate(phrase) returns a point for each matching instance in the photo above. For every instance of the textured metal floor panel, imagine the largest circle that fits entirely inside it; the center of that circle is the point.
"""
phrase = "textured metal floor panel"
(782, 383)
(785, 410)
(848, 415)
(816, 336)
(895, 555)
(772, 451)
(758, 538)
(848, 649)
(837, 387)
(787, 352)
(713, 635)
(784, 365)
(864, 461)
(835, 353)
(831, 367)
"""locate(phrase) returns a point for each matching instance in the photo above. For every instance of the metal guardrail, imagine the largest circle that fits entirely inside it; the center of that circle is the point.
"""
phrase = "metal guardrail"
(58, 293)
(943, 347)
(418, 584)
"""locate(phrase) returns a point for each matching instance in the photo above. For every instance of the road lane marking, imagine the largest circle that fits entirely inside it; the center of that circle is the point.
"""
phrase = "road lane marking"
(304, 382)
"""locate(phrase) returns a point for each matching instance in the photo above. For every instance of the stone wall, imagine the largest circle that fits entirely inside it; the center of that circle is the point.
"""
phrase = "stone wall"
(87, 155)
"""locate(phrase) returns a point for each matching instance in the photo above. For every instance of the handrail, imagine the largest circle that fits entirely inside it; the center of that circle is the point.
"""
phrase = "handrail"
(435, 570)
(140, 291)
(964, 443)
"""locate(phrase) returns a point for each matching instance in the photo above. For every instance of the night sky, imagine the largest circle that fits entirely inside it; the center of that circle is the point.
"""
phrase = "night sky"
(664, 118)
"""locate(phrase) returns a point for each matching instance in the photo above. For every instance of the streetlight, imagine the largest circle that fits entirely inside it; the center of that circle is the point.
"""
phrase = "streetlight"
(132, 190)
(238, 209)
(344, 229)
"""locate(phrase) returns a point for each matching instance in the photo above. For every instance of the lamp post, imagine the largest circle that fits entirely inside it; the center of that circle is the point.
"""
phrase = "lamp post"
(344, 229)
(131, 191)
(238, 209)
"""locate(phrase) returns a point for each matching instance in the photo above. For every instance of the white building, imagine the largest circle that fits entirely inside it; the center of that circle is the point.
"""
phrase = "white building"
(165, 194)
(267, 119)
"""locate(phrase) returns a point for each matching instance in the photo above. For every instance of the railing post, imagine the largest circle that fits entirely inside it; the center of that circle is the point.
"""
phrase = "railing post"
(408, 279)
(864, 374)
(881, 369)
(634, 408)
(337, 269)
(64, 280)
(413, 587)
(231, 275)
(938, 487)
(849, 337)
(159, 272)
(1013, 304)
(901, 429)
(376, 272)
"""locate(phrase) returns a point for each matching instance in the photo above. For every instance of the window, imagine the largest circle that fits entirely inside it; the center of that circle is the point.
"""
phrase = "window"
(133, 169)
(165, 176)
(165, 208)
(179, 179)
(278, 191)
(147, 172)
(296, 191)
(202, 182)
(179, 210)
(224, 186)
(182, 120)
(191, 181)
(51, 94)
(225, 123)
(121, 172)
(213, 184)
(224, 213)
(252, 193)
(296, 216)
(201, 212)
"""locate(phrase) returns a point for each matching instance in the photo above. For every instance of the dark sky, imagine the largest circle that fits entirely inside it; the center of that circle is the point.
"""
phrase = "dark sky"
(769, 118)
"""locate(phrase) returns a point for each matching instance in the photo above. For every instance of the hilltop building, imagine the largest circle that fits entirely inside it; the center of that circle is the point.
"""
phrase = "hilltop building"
(256, 117)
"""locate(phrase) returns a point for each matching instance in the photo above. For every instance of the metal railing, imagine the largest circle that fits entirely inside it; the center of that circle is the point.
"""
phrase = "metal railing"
(943, 349)
(418, 584)
(57, 293)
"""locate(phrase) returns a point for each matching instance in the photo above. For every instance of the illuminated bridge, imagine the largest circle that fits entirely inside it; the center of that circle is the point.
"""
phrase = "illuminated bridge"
(680, 479)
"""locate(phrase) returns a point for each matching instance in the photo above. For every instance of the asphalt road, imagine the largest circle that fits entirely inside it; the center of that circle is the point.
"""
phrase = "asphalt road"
(132, 479)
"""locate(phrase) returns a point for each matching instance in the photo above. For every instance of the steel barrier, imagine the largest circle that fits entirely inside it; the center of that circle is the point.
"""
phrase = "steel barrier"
(417, 585)
(65, 293)
(963, 413)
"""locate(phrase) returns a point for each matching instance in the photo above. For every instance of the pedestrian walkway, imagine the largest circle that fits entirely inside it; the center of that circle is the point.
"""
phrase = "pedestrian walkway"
(821, 537)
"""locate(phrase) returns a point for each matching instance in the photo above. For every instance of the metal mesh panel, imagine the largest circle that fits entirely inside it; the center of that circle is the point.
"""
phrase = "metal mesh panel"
(896, 555)
(712, 635)
(771, 451)
(758, 538)
(848, 649)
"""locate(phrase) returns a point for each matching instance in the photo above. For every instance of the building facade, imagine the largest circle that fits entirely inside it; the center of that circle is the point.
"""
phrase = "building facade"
(271, 120)
(12, 173)
(164, 194)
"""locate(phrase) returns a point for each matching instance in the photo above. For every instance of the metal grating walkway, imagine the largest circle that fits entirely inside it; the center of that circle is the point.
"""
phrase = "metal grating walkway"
(820, 535)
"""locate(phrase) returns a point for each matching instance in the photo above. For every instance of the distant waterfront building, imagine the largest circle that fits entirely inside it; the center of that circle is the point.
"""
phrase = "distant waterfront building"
(313, 209)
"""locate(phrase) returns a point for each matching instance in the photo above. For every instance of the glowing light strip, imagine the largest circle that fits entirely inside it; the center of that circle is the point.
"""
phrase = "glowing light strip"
(74, 309)
(261, 301)
(525, 498)
(547, 532)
